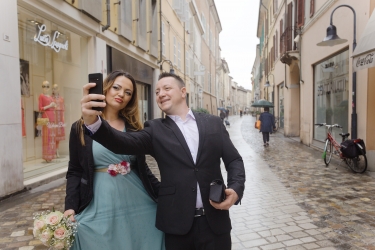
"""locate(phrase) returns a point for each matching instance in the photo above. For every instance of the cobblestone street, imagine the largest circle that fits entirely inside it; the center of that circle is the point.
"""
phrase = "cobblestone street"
(291, 200)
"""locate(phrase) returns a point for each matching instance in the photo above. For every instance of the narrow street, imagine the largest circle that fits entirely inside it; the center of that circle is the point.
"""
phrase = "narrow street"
(291, 200)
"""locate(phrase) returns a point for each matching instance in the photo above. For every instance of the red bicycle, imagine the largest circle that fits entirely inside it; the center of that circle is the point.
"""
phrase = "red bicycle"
(357, 164)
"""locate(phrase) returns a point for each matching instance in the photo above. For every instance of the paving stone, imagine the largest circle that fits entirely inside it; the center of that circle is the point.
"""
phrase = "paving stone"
(18, 233)
(273, 246)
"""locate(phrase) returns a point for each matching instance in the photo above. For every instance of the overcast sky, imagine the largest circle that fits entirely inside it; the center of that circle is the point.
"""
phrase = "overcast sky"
(238, 40)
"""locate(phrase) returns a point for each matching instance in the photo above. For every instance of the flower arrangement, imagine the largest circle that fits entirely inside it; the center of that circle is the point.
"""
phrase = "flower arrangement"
(54, 230)
(120, 168)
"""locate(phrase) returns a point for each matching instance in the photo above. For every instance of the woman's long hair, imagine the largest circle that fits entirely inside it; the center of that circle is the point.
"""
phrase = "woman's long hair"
(130, 112)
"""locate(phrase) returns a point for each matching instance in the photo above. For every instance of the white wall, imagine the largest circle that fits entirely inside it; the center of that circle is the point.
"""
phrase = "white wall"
(11, 166)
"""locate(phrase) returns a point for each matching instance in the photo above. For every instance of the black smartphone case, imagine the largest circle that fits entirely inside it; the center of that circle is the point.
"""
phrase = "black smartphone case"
(98, 89)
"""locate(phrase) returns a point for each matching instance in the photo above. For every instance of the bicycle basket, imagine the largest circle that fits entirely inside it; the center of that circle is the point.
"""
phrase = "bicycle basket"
(349, 149)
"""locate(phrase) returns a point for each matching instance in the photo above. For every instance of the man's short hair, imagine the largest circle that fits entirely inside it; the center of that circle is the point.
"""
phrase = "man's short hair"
(266, 109)
(176, 77)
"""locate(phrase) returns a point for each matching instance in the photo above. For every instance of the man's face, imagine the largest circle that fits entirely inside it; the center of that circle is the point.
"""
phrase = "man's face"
(169, 95)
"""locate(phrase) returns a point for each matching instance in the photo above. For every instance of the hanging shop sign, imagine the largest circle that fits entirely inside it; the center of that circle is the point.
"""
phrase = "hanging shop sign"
(48, 40)
(364, 61)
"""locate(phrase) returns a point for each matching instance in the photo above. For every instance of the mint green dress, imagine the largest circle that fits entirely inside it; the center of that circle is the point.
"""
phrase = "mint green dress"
(121, 214)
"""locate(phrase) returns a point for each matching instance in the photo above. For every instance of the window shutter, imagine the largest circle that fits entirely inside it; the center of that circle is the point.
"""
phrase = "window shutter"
(301, 13)
(163, 37)
(174, 51)
(277, 45)
(179, 54)
(312, 8)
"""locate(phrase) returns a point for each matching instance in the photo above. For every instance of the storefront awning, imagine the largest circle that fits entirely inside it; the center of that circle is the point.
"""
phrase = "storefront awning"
(364, 53)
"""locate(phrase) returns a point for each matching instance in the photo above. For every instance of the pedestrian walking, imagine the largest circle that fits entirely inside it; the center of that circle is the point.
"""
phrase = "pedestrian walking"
(188, 147)
(222, 116)
(267, 125)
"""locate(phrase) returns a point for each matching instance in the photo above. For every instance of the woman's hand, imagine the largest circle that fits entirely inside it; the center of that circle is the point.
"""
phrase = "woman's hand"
(89, 115)
(70, 213)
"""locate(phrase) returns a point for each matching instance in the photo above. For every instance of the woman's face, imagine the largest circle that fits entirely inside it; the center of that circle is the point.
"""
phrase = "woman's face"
(119, 94)
(46, 88)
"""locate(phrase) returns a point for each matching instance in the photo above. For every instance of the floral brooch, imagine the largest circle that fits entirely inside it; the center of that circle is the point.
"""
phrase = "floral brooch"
(120, 168)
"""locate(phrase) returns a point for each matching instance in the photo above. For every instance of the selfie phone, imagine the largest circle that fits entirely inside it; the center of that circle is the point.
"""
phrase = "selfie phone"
(98, 89)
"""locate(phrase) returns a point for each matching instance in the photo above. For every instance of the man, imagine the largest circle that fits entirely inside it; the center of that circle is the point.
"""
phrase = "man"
(187, 147)
(267, 124)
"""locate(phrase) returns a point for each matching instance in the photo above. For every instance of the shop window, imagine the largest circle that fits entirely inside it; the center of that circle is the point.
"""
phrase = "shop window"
(331, 94)
(53, 67)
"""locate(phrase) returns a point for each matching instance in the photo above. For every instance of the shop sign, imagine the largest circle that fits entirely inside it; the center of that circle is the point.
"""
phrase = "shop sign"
(46, 40)
(365, 61)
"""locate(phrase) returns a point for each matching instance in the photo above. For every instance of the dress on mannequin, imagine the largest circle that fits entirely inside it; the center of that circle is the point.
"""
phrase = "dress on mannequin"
(47, 108)
(59, 111)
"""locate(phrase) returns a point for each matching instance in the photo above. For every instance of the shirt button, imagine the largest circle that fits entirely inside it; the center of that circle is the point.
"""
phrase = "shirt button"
(193, 189)
(196, 169)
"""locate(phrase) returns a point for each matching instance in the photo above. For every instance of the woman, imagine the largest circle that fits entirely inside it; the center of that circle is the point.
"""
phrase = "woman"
(267, 125)
(113, 211)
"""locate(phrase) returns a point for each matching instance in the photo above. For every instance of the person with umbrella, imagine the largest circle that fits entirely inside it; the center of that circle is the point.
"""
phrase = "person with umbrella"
(267, 125)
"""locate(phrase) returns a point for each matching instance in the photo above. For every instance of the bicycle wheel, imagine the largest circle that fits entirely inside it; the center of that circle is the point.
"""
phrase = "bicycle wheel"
(358, 164)
(328, 151)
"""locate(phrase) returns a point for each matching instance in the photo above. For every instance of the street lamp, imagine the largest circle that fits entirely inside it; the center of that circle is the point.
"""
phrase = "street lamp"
(171, 69)
(333, 39)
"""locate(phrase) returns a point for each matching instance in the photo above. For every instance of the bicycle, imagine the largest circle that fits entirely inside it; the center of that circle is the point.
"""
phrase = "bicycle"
(358, 164)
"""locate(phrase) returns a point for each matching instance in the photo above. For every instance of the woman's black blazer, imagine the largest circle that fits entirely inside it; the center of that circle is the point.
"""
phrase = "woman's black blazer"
(80, 175)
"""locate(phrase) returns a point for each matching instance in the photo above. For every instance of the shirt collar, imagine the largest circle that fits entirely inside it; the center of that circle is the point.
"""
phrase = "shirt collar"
(189, 115)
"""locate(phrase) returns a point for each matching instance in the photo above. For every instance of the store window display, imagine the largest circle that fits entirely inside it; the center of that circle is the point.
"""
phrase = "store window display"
(47, 109)
(52, 72)
(59, 116)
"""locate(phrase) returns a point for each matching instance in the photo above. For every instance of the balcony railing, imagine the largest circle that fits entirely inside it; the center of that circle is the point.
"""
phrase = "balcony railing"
(287, 39)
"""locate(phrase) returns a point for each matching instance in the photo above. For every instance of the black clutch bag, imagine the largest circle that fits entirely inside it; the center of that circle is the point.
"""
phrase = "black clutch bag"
(217, 191)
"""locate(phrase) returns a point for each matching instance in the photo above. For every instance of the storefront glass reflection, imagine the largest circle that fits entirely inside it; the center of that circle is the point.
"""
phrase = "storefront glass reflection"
(331, 93)
(53, 68)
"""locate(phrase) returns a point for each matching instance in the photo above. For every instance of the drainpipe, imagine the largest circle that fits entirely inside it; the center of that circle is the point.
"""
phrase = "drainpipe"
(285, 6)
(108, 17)
(161, 35)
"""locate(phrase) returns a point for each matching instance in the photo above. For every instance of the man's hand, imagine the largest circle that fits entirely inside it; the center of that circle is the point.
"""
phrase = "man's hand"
(231, 198)
(70, 213)
(87, 102)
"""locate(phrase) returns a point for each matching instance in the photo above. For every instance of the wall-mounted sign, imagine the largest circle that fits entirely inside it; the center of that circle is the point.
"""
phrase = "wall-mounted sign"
(46, 40)
(364, 61)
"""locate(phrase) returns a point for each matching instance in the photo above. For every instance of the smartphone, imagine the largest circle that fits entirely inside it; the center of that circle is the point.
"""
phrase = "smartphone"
(98, 89)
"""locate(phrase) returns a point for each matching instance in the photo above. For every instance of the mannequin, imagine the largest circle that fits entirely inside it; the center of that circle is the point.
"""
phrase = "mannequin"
(59, 111)
(47, 108)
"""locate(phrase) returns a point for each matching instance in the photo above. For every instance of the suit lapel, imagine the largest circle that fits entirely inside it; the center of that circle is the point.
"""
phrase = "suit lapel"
(202, 131)
(177, 132)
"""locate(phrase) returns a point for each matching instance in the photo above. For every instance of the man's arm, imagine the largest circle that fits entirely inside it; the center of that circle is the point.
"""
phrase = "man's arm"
(130, 143)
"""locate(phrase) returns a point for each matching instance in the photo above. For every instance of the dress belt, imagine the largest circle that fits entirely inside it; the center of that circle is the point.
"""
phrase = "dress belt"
(104, 170)
(199, 212)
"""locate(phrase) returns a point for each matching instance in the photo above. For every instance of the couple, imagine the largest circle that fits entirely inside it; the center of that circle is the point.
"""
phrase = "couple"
(115, 212)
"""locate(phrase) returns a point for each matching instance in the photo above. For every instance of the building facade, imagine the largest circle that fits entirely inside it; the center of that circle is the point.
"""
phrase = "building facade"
(312, 84)
(49, 48)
